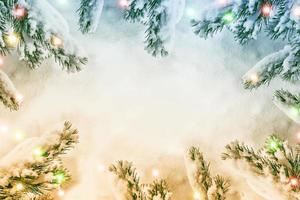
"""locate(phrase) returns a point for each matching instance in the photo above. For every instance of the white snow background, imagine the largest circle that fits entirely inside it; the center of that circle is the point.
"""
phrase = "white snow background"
(129, 105)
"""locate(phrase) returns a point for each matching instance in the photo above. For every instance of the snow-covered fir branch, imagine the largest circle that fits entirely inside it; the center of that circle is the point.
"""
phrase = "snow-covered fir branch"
(35, 175)
(9, 96)
(37, 31)
(204, 185)
(288, 98)
(247, 19)
(276, 164)
(128, 186)
(160, 18)
(89, 15)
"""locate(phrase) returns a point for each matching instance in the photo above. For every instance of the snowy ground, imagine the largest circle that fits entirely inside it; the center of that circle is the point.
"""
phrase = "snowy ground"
(128, 105)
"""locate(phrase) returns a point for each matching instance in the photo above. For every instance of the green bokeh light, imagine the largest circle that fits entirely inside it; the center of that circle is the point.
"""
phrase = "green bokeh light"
(60, 177)
(228, 17)
(273, 144)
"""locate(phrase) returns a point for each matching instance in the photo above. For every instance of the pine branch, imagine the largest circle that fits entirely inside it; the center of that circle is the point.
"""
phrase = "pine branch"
(32, 31)
(287, 98)
(266, 69)
(127, 179)
(246, 20)
(203, 184)
(89, 15)
(160, 18)
(220, 188)
(276, 161)
(158, 190)
(125, 172)
(137, 11)
(8, 92)
(37, 178)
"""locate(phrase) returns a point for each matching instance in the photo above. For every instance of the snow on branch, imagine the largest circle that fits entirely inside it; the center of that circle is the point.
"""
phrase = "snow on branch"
(37, 31)
(127, 184)
(272, 171)
(89, 15)
(246, 19)
(266, 69)
(160, 18)
(204, 185)
(34, 168)
(289, 103)
(9, 96)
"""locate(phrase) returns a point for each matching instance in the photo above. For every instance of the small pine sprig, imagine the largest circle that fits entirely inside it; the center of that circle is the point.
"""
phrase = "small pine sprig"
(287, 98)
(202, 176)
(158, 190)
(160, 18)
(219, 189)
(37, 178)
(205, 186)
(89, 14)
(126, 174)
(136, 11)
(157, 17)
(8, 92)
(276, 161)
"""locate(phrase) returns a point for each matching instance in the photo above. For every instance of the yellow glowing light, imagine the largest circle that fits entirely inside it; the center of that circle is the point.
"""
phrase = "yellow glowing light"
(38, 152)
(19, 186)
(19, 136)
(254, 78)
(57, 42)
(60, 192)
(155, 172)
(19, 97)
(197, 195)
(12, 39)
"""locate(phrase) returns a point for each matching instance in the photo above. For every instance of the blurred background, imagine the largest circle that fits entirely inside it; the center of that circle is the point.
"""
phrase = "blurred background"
(130, 105)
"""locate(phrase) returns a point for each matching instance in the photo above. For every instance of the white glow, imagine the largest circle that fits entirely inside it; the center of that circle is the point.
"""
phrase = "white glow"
(223, 2)
(294, 182)
(266, 10)
(60, 192)
(19, 135)
(3, 128)
(19, 98)
(298, 135)
(197, 195)
(254, 78)
(63, 2)
(296, 11)
(155, 173)
(1, 60)
(19, 12)
(101, 168)
(123, 3)
(19, 186)
(190, 12)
